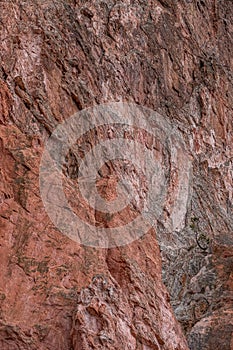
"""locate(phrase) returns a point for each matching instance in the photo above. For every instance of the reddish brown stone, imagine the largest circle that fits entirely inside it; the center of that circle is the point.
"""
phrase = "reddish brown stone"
(58, 57)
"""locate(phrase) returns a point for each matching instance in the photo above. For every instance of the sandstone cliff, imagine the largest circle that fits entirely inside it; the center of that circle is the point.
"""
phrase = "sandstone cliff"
(62, 56)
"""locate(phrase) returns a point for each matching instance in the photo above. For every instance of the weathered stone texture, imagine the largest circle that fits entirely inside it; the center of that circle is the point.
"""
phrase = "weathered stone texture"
(58, 57)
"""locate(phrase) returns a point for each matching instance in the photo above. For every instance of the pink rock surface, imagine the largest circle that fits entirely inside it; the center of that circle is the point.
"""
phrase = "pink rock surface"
(59, 57)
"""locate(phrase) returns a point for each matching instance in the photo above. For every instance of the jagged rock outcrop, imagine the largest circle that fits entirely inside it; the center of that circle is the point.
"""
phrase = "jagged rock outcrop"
(59, 57)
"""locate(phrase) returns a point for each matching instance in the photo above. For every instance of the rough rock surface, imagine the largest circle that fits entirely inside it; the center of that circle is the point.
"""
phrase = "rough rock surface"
(58, 57)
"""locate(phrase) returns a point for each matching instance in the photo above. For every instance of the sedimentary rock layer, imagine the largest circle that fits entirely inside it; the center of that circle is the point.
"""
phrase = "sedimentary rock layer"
(57, 58)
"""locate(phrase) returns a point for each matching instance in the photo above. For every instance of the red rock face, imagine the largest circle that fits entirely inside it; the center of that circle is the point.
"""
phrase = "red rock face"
(57, 58)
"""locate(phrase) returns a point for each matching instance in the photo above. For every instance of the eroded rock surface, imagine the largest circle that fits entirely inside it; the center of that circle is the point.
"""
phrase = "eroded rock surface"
(58, 57)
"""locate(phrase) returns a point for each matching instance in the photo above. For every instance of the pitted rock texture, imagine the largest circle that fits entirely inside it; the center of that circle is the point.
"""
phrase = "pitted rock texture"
(213, 332)
(110, 319)
(58, 57)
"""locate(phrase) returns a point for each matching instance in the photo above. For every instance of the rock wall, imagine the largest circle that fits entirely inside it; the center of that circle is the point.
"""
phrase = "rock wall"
(59, 57)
